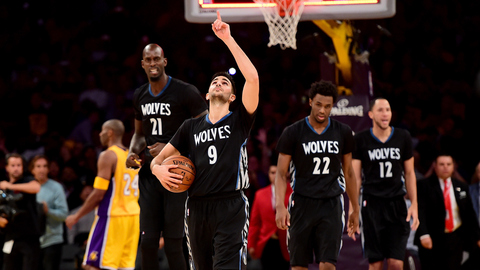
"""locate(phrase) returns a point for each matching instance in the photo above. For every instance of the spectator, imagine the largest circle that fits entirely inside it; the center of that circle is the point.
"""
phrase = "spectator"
(448, 224)
(265, 241)
(52, 198)
(22, 230)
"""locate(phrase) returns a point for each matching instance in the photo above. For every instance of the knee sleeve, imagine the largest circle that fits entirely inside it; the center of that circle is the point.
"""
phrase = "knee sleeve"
(175, 254)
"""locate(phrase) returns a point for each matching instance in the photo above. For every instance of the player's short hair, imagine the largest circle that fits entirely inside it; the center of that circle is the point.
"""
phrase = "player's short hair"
(116, 126)
(153, 46)
(372, 102)
(229, 77)
(324, 88)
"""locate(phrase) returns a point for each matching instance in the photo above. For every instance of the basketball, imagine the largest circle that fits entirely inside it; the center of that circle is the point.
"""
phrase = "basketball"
(185, 168)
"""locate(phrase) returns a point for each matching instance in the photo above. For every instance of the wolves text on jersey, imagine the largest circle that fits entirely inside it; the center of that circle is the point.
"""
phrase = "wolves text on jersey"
(321, 147)
(384, 153)
(212, 134)
(156, 109)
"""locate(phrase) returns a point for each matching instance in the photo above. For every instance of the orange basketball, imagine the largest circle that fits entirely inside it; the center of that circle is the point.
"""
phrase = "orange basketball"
(185, 168)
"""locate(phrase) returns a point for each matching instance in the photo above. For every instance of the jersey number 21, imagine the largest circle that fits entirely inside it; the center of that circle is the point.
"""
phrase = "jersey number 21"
(156, 126)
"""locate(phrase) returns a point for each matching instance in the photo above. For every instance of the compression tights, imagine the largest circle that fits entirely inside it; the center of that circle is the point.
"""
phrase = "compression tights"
(173, 250)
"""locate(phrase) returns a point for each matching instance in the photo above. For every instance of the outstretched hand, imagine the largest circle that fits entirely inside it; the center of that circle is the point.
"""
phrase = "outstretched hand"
(220, 28)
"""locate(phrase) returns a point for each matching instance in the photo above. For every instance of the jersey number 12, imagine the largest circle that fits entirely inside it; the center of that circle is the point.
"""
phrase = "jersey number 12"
(385, 169)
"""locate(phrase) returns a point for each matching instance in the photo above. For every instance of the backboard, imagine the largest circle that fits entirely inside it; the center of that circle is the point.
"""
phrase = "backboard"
(204, 11)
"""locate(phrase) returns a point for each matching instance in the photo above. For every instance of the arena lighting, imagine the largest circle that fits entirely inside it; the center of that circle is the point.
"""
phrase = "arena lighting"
(232, 71)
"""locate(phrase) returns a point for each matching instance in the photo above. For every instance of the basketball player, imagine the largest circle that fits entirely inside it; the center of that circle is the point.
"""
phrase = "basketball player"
(217, 209)
(318, 150)
(386, 156)
(161, 106)
(113, 239)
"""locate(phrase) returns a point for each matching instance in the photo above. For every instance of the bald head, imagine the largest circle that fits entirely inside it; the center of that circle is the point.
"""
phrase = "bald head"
(151, 48)
(116, 126)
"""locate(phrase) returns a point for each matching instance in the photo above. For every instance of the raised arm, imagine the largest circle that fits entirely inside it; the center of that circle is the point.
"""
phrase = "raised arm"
(251, 88)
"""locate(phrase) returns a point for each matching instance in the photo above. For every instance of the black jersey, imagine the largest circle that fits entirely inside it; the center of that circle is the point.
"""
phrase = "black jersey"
(383, 162)
(161, 115)
(218, 151)
(316, 167)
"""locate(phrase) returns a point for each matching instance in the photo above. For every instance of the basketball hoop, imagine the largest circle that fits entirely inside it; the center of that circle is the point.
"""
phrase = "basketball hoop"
(282, 18)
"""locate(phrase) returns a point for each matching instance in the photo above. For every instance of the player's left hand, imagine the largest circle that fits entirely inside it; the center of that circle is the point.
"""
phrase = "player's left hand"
(413, 214)
(353, 224)
(156, 148)
(220, 28)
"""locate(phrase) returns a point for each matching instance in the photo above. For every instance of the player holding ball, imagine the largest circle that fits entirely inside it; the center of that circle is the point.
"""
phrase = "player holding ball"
(216, 143)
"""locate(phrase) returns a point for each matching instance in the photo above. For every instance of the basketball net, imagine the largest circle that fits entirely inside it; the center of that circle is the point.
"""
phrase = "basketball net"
(282, 21)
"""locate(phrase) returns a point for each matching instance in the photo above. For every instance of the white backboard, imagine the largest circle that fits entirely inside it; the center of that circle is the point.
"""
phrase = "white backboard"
(204, 11)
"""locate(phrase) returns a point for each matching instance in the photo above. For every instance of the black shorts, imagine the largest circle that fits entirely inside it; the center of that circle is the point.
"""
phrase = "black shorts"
(160, 209)
(315, 225)
(385, 230)
(217, 230)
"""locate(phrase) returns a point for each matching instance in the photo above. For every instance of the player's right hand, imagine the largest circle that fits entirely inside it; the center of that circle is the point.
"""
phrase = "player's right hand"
(220, 28)
(166, 178)
(133, 161)
(282, 218)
